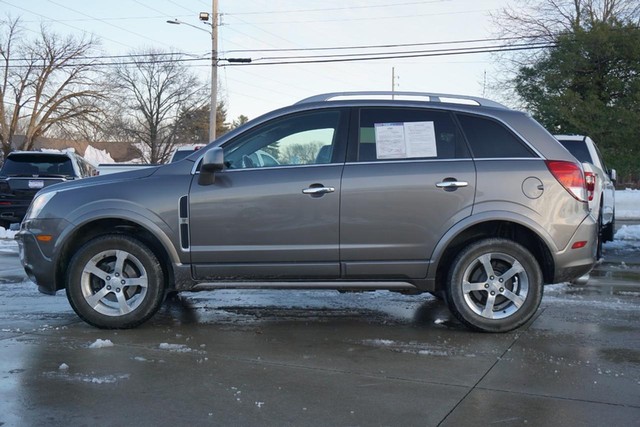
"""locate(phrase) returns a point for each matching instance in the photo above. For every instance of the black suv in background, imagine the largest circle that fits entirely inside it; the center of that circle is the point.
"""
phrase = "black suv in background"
(24, 173)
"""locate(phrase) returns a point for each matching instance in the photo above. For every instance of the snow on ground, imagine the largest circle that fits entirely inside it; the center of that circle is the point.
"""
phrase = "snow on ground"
(628, 204)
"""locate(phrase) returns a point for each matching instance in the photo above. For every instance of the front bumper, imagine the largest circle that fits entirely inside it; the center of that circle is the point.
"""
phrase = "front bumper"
(39, 268)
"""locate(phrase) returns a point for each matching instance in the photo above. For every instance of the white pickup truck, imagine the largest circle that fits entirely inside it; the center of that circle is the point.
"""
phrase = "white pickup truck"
(107, 168)
(602, 200)
(179, 153)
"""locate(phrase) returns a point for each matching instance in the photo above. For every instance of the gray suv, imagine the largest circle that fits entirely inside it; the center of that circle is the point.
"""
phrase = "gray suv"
(457, 196)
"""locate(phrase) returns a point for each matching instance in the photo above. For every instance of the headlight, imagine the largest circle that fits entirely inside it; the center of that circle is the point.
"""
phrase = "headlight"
(38, 204)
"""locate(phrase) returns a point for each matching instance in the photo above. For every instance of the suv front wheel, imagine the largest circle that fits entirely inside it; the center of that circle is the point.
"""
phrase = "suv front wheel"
(495, 285)
(115, 282)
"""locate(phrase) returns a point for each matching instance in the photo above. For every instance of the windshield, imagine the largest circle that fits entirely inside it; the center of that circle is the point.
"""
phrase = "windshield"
(37, 164)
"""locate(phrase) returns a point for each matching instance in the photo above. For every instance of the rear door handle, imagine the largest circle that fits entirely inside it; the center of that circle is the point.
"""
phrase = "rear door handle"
(318, 191)
(452, 184)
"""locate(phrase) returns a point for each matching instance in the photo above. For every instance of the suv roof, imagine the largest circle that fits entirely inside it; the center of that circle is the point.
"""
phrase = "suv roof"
(406, 96)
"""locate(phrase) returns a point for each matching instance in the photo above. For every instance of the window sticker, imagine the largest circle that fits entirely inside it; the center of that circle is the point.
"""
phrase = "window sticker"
(405, 140)
(390, 143)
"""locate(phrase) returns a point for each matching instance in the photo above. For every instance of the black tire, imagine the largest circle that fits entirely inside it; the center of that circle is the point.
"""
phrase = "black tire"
(112, 296)
(601, 232)
(609, 230)
(439, 295)
(491, 302)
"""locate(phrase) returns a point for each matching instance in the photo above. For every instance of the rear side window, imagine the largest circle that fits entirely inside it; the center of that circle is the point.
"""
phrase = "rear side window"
(489, 139)
(406, 133)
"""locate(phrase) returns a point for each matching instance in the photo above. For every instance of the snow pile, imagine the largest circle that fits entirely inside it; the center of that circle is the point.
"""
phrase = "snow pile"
(101, 344)
(628, 232)
(626, 238)
(179, 348)
(408, 347)
(7, 234)
(628, 204)
(107, 379)
(97, 156)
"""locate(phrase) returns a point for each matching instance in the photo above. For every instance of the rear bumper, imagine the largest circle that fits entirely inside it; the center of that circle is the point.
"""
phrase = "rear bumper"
(13, 212)
(572, 263)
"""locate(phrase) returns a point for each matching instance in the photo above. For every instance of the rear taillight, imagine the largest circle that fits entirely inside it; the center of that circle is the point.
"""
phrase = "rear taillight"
(571, 177)
(590, 179)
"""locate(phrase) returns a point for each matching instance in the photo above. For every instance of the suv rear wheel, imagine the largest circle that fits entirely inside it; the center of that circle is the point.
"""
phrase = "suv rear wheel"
(115, 282)
(495, 285)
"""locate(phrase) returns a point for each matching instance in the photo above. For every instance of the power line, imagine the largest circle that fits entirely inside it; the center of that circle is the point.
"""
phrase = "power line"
(183, 7)
(129, 55)
(372, 18)
(379, 46)
(315, 59)
(332, 9)
(105, 22)
(123, 18)
(320, 75)
(399, 53)
(63, 23)
(111, 63)
(392, 56)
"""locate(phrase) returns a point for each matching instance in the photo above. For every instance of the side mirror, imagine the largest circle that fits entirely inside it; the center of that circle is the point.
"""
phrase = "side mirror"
(212, 162)
(613, 175)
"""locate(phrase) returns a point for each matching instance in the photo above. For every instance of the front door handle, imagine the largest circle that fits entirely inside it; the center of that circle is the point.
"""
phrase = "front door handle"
(318, 191)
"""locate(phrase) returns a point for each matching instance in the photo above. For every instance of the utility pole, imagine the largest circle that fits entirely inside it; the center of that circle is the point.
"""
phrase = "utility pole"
(393, 82)
(204, 17)
(213, 123)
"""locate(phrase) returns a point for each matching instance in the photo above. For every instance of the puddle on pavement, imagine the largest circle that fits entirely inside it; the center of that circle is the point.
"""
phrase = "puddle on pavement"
(621, 355)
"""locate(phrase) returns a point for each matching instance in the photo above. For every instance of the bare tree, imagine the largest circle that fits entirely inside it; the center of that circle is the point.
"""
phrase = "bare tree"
(301, 154)
(45, 82)
(542, 22)
(545, 19)
(155, 88)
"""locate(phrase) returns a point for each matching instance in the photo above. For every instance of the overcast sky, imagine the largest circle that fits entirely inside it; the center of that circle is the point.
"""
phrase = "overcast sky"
(128, 25)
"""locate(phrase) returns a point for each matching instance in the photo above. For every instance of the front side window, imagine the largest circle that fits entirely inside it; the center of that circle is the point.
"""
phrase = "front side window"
(299, 139)
(405, 133)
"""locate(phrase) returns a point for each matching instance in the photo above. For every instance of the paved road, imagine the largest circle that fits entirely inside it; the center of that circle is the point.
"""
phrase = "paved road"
(277, 358)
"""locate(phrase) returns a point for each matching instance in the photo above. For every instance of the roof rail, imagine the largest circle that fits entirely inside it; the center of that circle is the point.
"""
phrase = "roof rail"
(433, 97)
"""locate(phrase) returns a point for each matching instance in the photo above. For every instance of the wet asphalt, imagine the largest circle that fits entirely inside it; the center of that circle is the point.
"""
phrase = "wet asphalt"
(321, 358)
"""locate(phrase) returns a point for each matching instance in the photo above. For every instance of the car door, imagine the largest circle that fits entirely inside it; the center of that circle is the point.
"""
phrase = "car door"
(276, 218)
(408, 179)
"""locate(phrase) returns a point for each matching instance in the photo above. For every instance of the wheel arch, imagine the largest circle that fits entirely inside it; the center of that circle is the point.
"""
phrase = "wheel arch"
(89, 230)
(515, 229)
